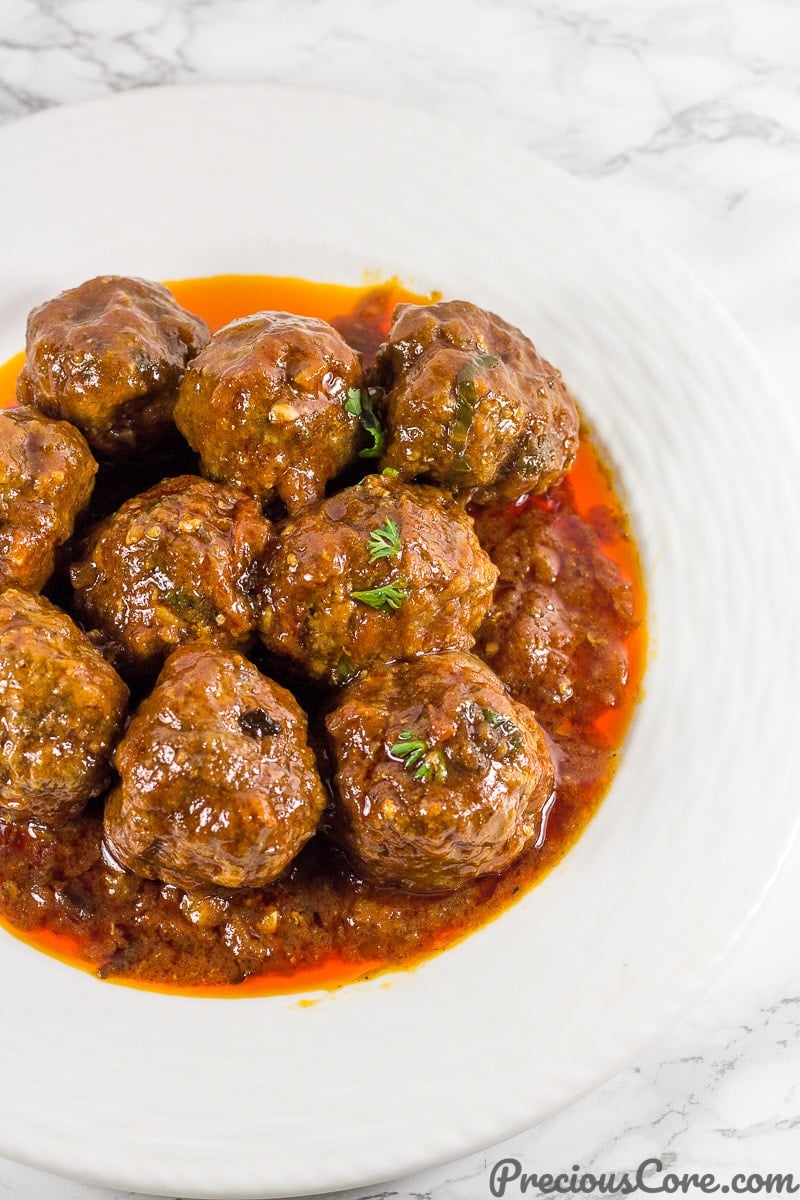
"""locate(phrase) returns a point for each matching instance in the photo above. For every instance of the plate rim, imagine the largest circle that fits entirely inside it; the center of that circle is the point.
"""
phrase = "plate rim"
(141, 98)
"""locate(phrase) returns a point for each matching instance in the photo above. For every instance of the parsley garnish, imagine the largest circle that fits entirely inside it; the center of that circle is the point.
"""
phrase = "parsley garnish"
(390, 596)
(466, 399)
(409, 748)
(359, 404)
(391, 472)
(384, 542)
(426, 764)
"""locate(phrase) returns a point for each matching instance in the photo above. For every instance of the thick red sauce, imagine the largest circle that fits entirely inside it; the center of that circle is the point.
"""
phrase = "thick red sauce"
(319, 926)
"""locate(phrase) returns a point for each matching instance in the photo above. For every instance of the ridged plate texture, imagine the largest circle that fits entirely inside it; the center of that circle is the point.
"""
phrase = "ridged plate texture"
(268, 1097)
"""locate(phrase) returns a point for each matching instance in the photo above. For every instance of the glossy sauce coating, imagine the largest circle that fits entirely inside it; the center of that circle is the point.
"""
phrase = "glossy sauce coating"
(466, 784)
(108, 355)
(537, 637)
(62, 709)
(264, 406)
(321, 580)
(471, 406)
(176, 563)
(46, 478)
(218, 785)
(318, 924)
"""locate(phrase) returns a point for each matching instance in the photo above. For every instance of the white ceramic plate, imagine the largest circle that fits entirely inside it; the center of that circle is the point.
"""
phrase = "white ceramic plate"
(265, 1097)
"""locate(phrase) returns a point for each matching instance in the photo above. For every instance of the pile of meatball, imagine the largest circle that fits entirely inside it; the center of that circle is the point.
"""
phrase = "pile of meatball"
(323, 538)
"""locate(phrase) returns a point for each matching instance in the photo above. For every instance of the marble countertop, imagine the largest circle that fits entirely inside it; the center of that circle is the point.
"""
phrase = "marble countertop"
(685, 114)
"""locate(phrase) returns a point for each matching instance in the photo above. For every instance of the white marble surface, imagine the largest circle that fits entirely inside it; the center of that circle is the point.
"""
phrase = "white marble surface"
(685, 113)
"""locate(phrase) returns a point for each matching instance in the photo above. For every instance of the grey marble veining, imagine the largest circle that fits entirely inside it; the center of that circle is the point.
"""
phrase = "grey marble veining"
(687, 116)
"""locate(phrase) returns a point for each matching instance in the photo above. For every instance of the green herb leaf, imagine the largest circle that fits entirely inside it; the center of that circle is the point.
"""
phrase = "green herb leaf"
(359, 403)
(466, 400)
(474, 367)
(345, 670)
(386, 598)
(503, 725)
(432, 768)
(352, 404)
(189, 605)
(409, 748)
(428, 765)
(384, 542)
(390, 472)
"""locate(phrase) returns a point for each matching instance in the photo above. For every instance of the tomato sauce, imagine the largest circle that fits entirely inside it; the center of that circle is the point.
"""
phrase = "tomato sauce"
(319, 926)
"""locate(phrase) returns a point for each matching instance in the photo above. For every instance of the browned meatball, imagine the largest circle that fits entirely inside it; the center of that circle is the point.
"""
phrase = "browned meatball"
(178, 563)
(264, 406)
(439, 776)
(46, 479)
(379, 571)
(556, 630)
(62, 708)
(108, 356)
(471, 405)
(218, 783)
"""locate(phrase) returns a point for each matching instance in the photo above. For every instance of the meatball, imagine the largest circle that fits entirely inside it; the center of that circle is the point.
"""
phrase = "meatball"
(62, 708)
(180, 562)
(108, 356)
(471, 405)
(46, 479)
(218, 784)
(557, 627)
(440, 777)
(266, 406)
(379, 571)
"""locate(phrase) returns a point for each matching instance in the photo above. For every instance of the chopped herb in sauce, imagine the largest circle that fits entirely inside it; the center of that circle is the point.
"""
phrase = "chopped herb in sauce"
(466, 400)
(386, 598)
(503, 725)
(345, 670)
(190, 605)
(359, 403)
(384, 542)
(428, 765)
